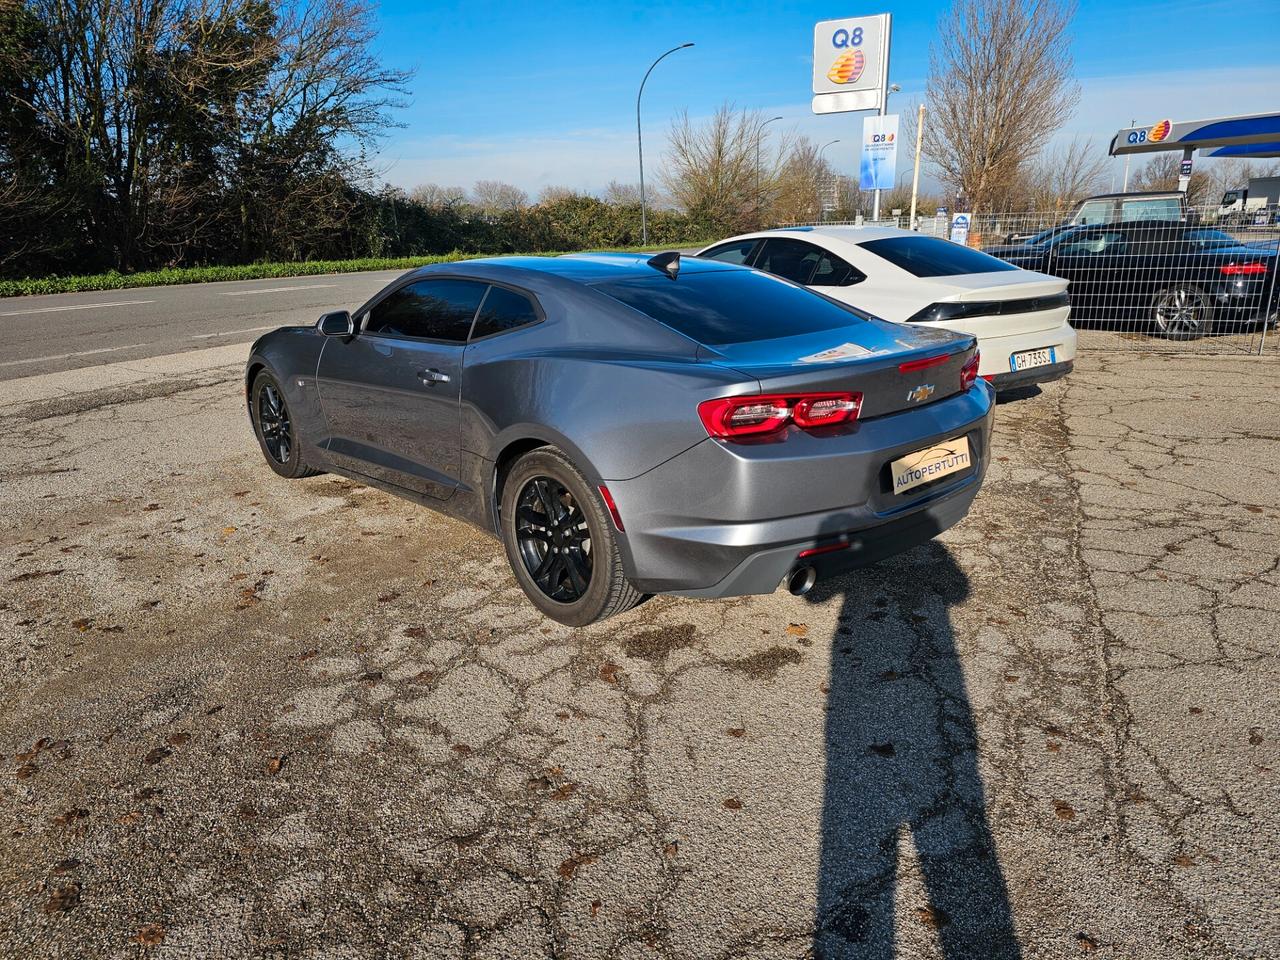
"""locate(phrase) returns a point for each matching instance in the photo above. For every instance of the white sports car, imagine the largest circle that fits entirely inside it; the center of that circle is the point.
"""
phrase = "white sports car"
(1019, 317)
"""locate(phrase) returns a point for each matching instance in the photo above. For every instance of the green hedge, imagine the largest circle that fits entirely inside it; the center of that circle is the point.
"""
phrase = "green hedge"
(253, 271)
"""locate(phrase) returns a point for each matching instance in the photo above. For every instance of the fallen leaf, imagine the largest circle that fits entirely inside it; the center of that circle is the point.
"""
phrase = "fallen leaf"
(179, 739)
(569, 867)
(65, 866)
(737, 731)
(932, 916)
(1195, 711)
(732, 803)
(415, 633)
(1183, 860)
(128, 819)
(388, 597)
(671, 849)
(274, 765)
(462, 748)
(564, 792)
(83, 624)
(1086, 942)
(1053, 746)
(595, 907)
(156, 755)
(228, 531)
(609, 672)
(798, 629)
(71, 816)
(26, 771)
(1064, 810)
(423, 677)
(151, 935)
(63, 898)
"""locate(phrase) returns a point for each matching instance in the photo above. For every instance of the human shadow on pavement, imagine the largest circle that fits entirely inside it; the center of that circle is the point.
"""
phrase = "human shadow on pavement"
(902, 769)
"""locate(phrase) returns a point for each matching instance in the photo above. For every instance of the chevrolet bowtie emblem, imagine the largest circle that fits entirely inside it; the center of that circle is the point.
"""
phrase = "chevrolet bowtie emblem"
(920, 393)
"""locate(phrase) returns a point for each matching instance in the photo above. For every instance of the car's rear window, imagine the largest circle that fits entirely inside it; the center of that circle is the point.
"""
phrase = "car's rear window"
(732, 306)
(931, 257)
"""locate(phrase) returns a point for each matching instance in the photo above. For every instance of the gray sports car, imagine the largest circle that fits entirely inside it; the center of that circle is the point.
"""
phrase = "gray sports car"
(630, 425)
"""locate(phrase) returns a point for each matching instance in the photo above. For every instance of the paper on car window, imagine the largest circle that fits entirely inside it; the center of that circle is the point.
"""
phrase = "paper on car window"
(846, 351)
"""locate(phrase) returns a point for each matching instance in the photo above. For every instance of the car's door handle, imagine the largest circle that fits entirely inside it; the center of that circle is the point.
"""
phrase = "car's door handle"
(433, 376)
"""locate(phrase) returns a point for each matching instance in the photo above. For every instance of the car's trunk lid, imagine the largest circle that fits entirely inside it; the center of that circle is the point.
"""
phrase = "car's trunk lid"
(866, 357)
(1022, 294)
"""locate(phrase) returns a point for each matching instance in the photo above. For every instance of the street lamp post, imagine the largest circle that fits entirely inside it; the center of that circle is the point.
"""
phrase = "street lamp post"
(644, 222)
(759, 137)
(822, 213)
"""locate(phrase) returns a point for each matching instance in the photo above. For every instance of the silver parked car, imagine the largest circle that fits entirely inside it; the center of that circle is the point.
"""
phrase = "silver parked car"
(630, 425)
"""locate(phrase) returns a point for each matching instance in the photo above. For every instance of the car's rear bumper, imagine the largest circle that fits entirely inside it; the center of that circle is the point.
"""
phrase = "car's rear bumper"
(997, 352)
(1024, 378)
(728, 520)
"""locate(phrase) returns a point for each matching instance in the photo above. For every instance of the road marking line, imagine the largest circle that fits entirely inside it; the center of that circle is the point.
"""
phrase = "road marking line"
(249, 293)
(79, 306)
(68, 356)
(228, 333)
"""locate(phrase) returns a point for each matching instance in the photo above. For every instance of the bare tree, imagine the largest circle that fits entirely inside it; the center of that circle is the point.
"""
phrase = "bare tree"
(436, 197)
(554, 194)
(621, 194)
(494, 196)
(1056, 180)
(999, 85)
(1162, 172)
(800, 187)
(711, 169)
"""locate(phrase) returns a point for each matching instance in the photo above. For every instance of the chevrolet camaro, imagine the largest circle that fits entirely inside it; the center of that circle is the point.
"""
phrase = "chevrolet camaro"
(630, 425)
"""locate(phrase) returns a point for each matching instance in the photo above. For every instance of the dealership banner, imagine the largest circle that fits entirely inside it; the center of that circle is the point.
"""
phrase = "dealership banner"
(879, 153)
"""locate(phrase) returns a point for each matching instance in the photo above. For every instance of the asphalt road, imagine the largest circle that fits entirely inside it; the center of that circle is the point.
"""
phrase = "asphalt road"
(244, 717)
(73, 330)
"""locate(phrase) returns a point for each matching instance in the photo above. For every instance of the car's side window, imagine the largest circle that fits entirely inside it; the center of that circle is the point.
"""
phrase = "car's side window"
(428, 310)
(1102, 242)
(787, 258)
(834, 272)
(737, 252)
(503, 310)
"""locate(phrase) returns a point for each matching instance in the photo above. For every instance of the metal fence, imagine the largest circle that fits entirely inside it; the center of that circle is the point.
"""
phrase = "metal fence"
(1201, 281)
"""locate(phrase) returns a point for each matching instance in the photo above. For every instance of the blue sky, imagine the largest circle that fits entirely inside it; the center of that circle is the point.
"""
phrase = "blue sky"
(541, 94)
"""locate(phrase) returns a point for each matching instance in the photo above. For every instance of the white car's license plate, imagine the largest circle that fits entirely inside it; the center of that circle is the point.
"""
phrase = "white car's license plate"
(925, 466)
(1031, 358)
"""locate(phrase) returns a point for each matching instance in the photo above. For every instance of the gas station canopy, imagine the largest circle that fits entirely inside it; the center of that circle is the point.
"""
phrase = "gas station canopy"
(1257, 135)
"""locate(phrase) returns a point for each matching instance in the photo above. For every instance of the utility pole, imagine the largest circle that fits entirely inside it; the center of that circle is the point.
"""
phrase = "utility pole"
(915, 176)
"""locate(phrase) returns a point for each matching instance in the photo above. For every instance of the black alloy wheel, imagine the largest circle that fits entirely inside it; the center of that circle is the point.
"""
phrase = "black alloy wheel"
(554, 539)
(276, 429)
(273, 421)
(561, 541)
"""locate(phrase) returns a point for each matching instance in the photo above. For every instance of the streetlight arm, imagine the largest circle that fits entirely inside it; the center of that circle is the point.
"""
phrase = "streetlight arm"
(644, 222)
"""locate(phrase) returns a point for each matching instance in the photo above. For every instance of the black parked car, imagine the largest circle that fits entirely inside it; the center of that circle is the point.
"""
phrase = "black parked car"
(1179, 280)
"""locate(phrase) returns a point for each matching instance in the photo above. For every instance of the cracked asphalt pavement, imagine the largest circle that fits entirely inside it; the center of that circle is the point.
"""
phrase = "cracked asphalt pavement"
(243, 717)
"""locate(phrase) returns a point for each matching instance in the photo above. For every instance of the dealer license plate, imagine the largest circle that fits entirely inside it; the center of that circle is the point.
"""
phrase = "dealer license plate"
(1031, 358)
(925, 466)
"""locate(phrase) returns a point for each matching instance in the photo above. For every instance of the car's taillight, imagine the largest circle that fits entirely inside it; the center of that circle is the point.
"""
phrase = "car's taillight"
(969, 372)
(1243, 269)
(730, 418)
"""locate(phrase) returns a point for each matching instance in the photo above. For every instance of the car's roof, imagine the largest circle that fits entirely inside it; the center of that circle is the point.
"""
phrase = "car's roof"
(584, 267)
(849, 233)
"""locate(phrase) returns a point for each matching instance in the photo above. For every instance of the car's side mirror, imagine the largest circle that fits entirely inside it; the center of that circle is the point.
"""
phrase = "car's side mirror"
(337, 324)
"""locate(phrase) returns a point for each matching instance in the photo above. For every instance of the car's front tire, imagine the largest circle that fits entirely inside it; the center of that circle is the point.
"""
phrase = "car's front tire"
(1182, 312)
(560, 541)
(275, 429)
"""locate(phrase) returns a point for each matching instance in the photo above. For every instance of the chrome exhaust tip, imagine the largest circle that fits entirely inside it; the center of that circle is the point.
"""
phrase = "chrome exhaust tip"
(801, 580)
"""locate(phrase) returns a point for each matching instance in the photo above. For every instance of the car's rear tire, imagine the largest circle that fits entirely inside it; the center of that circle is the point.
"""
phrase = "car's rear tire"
(1182, 312)
(275, 429)
(561, 542)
